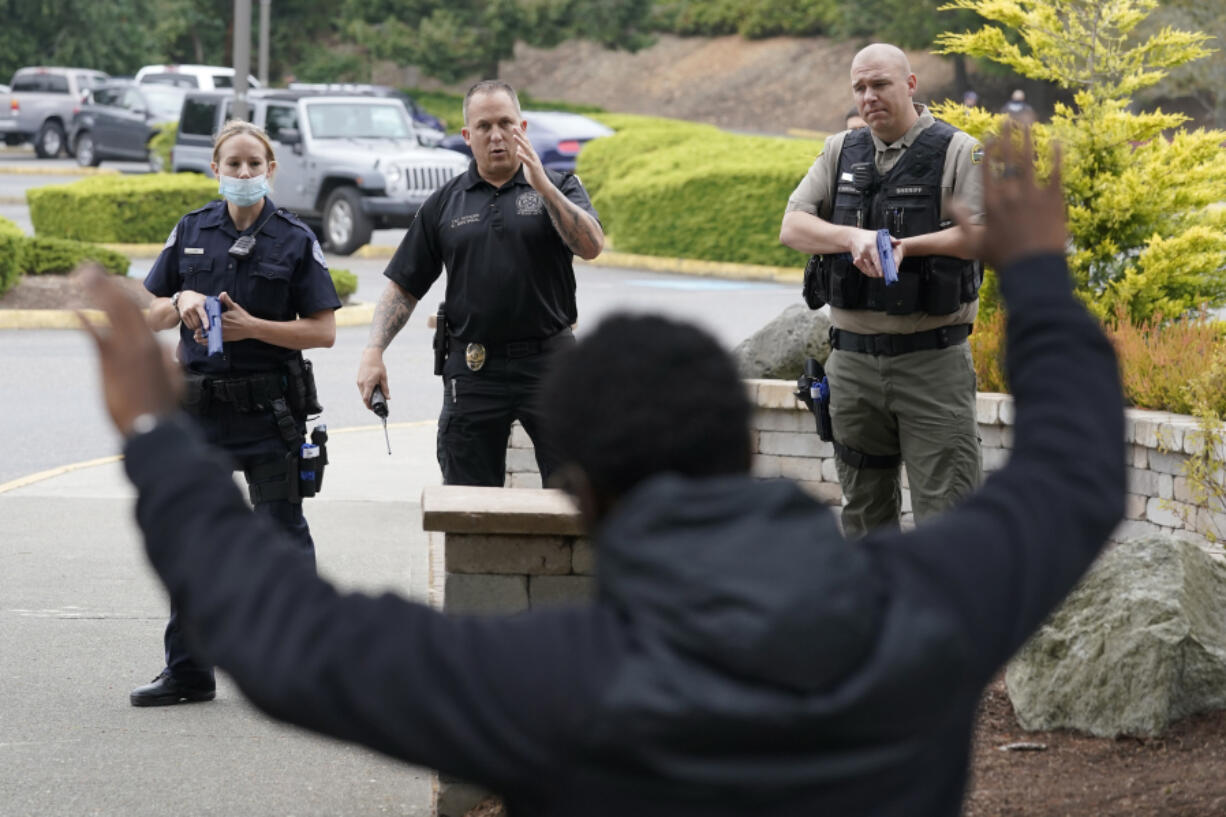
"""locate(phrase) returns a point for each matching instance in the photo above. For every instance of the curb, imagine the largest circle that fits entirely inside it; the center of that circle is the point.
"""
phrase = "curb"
(356, 314)
(58, 171)
(361, 313)
(608, 258)
(51, 473)
(691, 266)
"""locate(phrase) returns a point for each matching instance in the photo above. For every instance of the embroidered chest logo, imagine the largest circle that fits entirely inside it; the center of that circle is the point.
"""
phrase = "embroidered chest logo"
(460, 221)
(529, 203)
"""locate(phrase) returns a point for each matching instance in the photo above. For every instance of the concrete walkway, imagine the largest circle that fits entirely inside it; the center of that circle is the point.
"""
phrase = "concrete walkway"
(81, 620)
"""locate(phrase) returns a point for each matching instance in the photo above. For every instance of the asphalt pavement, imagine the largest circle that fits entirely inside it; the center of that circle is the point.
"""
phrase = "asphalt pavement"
(81, 621)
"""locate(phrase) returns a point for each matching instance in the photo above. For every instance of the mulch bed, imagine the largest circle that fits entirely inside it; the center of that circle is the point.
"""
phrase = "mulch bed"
(61, 292)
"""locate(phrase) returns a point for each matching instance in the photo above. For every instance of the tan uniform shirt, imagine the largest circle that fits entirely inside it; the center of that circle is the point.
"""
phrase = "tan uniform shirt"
(960, 179)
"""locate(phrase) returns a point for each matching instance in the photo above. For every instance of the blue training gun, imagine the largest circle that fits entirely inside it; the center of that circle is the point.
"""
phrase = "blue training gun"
(212, 308)
(885, 249)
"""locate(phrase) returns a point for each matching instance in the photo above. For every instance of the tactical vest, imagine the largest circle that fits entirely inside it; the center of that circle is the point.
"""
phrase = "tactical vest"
(907, 202)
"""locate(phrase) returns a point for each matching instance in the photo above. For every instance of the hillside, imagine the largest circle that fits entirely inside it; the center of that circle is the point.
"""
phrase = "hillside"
(766, 86)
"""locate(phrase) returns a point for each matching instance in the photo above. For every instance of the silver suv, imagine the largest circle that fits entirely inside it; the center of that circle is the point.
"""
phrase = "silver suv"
(41, 103)
(346, 163)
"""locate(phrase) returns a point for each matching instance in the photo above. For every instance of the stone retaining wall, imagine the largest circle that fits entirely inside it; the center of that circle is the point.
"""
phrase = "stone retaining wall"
(494, 550)
(785, 445)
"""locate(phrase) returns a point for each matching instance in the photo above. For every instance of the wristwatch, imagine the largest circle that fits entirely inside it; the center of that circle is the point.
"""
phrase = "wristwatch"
(174, 301)
(143, 424)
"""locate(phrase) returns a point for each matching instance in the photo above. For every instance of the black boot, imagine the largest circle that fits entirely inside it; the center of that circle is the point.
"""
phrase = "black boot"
(165, 690)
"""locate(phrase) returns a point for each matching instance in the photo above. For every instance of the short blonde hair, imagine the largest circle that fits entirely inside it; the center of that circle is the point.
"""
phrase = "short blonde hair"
(241, 127)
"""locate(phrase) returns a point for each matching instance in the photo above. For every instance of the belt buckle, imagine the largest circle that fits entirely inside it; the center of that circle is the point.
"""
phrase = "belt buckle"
(474, 356)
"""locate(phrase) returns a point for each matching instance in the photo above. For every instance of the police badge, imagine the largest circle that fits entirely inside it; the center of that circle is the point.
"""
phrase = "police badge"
(474, 356)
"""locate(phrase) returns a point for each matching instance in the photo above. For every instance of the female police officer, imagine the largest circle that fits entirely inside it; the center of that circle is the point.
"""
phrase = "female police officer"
(252, 397)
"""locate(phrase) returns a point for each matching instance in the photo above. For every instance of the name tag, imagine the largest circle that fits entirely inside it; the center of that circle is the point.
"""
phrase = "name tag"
(193, 250)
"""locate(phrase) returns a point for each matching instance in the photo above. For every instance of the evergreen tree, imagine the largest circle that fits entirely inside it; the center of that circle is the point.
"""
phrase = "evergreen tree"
(1148, 234)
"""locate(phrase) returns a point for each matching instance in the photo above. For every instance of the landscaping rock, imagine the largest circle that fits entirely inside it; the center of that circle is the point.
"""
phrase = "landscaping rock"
(778, 350)
(1140, 644)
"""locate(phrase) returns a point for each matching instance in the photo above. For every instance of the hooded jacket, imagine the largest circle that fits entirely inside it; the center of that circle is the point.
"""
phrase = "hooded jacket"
(740, 657)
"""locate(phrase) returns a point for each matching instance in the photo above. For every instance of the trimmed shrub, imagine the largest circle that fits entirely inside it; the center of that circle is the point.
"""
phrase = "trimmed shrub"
(1160, 361)
(12, 248)
(59, 256)
(693, 191)
(346, 283)
(122, 209)
(988, 350)
(162, 142)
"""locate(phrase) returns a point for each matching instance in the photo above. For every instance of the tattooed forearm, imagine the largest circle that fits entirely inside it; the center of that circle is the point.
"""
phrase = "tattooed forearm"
(579, 231)
(391, 314)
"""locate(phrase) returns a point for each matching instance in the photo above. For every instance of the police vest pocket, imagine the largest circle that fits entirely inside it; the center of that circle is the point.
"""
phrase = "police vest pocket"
(902, 297)
(943, 292)
(907, 217)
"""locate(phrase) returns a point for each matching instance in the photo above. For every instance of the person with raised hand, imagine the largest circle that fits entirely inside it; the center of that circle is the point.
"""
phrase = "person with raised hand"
(740, 657)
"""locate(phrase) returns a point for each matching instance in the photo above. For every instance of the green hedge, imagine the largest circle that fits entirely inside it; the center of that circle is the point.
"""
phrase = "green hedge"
(346, 283)
(59, 256)
(679, 189)
(118, 209)
(12, 244)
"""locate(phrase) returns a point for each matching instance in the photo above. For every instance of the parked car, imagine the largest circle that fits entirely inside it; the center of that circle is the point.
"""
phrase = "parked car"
(40, 105)
(202, 77)
(556, 136)
(430, 129)
(118, 118)
(346, 163)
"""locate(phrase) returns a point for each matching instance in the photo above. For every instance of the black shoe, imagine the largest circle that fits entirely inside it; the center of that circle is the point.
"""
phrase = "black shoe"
(164, 690)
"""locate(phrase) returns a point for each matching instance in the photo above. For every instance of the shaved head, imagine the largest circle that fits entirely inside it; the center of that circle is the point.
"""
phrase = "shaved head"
(883, 54)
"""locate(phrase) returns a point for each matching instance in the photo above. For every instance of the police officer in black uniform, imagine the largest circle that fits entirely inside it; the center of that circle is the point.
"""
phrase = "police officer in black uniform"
(506, 231)
(252, 399)
(901, 377)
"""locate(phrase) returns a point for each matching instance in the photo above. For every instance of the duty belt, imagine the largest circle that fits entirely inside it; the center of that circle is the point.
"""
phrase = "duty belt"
(514, 348)
(891, 345)
(245, 394)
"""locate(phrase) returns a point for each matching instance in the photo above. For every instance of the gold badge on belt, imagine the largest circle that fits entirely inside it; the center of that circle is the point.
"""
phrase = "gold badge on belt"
(474, 356)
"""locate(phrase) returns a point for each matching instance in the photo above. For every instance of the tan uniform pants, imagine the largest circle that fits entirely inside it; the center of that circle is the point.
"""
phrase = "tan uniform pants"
(920, 405)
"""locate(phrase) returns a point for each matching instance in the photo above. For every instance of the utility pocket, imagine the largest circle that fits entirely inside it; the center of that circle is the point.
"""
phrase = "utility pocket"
(270, 291)
(197, 274)
(943, 293)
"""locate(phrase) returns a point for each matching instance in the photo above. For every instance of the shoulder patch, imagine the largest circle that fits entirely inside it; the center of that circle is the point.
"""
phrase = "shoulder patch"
(317, 252)
(170, 239)
(977, 154)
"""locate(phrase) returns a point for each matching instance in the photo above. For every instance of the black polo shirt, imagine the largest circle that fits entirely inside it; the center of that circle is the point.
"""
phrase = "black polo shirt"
(509, 274)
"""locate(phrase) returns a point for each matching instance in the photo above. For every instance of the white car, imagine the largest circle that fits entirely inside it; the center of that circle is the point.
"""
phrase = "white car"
(200, 77)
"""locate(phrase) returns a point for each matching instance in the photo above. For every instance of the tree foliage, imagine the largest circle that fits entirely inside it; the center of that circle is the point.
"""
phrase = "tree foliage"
(451, 39)
(1148, 236)
(109, 36)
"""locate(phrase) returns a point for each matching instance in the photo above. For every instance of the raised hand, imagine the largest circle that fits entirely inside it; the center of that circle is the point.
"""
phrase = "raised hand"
(137, 377)
(1023, 217)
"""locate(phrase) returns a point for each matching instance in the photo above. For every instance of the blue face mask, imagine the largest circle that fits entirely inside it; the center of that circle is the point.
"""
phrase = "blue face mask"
(243, 192)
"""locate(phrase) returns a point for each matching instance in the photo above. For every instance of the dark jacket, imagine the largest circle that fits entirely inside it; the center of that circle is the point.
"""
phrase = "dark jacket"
(741, 658)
